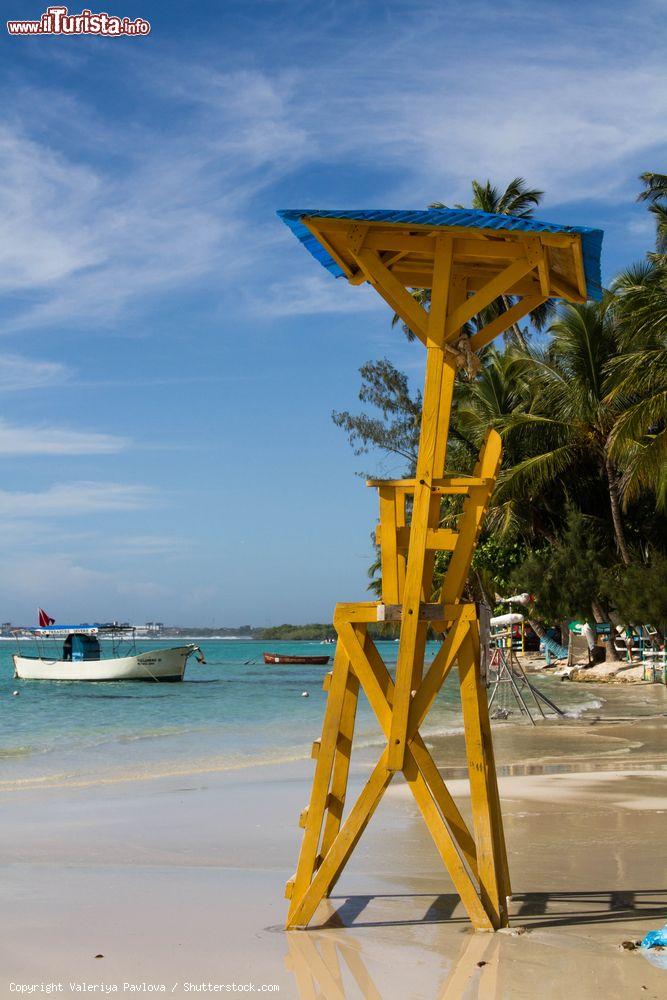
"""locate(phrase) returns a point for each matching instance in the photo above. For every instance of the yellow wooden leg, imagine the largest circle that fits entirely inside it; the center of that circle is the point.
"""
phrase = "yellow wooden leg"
(341, 766)
(445, 802)
(432, 449)
(388, 546)
(481, 770)
(502, 866)
(323, 768)
(343, 845)
(446, 846)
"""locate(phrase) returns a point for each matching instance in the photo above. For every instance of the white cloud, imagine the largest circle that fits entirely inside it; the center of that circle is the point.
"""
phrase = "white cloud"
(313, 294)
(16, 440)
(70, 499)
(18, 373)
(91, 242)
(61, 583)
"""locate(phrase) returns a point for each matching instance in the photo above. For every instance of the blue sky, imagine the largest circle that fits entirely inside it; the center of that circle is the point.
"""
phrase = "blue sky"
(169, 354)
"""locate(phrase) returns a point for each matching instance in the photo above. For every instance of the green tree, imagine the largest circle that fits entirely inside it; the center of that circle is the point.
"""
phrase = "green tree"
(637, 380)
(639, 592)
(566, 429)
(567, 578)
(655, 193)
(395, 431)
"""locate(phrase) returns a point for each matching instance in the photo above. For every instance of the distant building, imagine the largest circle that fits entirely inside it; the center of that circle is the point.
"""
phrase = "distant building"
(150, 629)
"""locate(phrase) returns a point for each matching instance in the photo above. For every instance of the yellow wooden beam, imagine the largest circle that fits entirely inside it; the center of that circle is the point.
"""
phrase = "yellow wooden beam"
(394, 293)
(348, 836)
(464, 249)
(578, 255)
(506, 319)
(561, 240)
(442, 271)
(529, 285)
(500, 284)
(328, 246)
(341, 767)
(446, 846)
(437, 540)
(491, 859)
(415, 560)
(323, 767)
(564, 289)
(443, 485)
(470, 522)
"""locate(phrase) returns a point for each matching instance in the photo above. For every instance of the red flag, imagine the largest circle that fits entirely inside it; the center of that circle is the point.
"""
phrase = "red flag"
(44, 619)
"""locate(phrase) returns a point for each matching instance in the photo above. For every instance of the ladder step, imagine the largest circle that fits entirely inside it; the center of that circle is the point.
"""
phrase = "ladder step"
(446, 485)
(303, 818)
(289, 888)
(335, 804)
(326, 683)
(427, 612)
(315, 749)
(437, 539)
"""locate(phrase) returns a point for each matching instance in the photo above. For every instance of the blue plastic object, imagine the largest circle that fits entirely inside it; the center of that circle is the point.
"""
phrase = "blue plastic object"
(591, 239)
(656, 939)
(653, 941)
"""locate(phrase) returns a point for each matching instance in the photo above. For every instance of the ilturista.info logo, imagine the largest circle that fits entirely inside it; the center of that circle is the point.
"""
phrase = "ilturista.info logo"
(58, 21)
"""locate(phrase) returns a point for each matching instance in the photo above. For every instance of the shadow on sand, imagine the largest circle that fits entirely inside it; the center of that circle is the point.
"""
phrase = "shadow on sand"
(533, 909)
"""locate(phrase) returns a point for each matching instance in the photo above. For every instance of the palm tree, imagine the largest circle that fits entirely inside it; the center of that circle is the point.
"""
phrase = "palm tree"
(655, 192)
(638, 380)
(566, 430)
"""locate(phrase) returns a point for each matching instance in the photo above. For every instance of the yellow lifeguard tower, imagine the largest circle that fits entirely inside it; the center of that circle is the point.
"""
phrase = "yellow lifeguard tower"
(468, 260)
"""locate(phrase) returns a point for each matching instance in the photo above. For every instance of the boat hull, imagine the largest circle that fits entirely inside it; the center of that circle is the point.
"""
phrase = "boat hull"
(154, 665)
(278, 658)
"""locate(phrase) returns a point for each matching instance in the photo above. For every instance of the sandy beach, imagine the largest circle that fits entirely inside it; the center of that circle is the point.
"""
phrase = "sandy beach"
(177, 882)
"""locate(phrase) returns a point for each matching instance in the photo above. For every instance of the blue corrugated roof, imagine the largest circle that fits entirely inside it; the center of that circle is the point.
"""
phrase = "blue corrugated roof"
(591, 239)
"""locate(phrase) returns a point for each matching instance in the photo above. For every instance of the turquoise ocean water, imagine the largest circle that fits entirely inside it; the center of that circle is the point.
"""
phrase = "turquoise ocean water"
(230, 712)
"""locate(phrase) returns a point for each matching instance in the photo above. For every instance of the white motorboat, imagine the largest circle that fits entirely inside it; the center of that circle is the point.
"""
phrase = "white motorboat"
(80, 656)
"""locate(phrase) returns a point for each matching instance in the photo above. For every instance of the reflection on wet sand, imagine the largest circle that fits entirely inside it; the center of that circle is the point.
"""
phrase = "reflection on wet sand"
(331, 964)
(355, 951)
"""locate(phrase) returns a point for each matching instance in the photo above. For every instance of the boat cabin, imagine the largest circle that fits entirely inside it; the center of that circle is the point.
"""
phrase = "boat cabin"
(79, 646)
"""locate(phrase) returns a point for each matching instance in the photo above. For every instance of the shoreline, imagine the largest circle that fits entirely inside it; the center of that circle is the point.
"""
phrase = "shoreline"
(591, 738)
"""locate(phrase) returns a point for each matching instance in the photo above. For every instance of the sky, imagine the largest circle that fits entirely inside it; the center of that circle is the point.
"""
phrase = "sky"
(170, 355)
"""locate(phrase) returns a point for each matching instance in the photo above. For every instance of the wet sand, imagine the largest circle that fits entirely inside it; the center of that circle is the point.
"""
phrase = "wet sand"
(179, 881)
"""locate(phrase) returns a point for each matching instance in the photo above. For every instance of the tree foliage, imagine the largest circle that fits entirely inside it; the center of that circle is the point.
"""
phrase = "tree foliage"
(564, 578)
(394, 428)
(639, 592)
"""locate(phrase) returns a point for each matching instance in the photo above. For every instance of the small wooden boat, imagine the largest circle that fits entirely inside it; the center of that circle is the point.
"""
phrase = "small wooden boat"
(283, 658)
